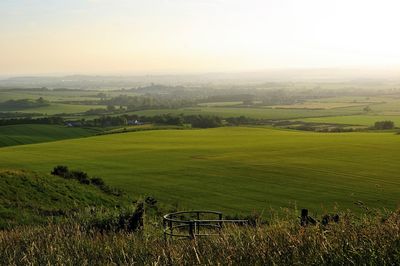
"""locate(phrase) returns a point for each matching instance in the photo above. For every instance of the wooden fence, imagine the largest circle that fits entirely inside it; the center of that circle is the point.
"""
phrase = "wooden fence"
(192, 224)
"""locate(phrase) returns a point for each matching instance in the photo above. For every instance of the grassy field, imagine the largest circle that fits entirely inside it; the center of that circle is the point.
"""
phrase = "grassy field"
(59, 108)
(219, 104)
(52, 96)
(264, 113)
(28, 134)
(319, 105)
(236, 170)
(363, 120)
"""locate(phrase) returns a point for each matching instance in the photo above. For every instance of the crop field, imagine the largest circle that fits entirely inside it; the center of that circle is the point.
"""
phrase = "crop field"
(233, 169)
(262, 113)
(219, 104)
(59, 108)
(48, 95)
(363, 120)
(319, 105)
(27, 134)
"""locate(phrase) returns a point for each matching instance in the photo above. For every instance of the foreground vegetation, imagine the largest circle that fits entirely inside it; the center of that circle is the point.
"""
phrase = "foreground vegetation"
(371, 240)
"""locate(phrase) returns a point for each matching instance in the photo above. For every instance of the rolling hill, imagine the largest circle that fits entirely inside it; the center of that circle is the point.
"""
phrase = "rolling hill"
(233, 169)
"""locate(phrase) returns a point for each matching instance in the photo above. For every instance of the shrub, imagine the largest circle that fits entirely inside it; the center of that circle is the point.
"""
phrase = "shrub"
(81, 176)
(129, 219)
(60, 170)
(97, 181)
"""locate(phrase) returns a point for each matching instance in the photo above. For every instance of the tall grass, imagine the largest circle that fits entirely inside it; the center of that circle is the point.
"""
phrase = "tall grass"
(372, 240)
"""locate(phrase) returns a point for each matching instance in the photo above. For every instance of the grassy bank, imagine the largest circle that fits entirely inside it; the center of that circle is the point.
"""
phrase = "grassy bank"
(29, 198)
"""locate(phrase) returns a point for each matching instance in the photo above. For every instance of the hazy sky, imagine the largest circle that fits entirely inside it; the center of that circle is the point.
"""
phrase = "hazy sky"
(170, 36)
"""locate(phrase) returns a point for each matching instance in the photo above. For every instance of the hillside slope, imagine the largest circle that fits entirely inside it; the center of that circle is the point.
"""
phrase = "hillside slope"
(27, 197)
(28, 134)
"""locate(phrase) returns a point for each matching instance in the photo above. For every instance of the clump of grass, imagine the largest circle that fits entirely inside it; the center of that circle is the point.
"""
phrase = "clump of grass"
(372, 240)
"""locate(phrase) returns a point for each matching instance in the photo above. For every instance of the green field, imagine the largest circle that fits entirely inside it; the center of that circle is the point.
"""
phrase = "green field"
(233, 169)
(27, 134)
(59, 108)
(52, 96)
(362, 120)
(259, 113)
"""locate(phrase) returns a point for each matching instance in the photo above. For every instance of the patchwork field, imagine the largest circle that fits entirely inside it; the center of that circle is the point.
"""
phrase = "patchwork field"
(59, 108)
(319, 105)
(236, 170)
(261, 113)
(27, 134)
(362, 120)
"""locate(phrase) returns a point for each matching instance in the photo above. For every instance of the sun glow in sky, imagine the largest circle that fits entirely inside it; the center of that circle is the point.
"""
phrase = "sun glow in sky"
(181, 36)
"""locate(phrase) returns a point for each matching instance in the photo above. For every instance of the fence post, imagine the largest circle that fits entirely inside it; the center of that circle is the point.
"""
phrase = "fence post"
(191, 232)
(165, 229)
(170, 228)
(197, 225)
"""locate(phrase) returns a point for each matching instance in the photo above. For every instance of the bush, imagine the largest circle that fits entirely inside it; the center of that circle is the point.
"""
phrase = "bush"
(60, 170)
(81, 176)
(97, 181)
(129, 219)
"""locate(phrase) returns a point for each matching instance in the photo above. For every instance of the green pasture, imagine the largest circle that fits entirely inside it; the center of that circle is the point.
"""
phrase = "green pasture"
(59, 108)
(28, 134)
(261, 113)
(233, 169)
(219, 104)
(362, 120)
(53, 96)
(319, 105)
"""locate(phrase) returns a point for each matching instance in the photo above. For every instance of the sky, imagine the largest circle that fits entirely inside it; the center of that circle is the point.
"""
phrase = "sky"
(195, 36)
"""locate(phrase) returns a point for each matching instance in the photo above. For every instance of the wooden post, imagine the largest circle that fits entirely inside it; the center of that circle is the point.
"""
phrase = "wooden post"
(165, 229)
(303, 218)
(191, 231)
(170, 228)
(197, 225)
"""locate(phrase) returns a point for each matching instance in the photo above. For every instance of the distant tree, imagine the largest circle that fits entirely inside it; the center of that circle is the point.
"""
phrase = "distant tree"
(111, 108)
(41, 100)
(101, 95)
(203, 121)
(367, 109)
(381, 125)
